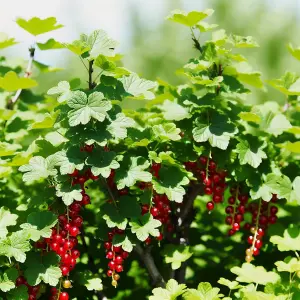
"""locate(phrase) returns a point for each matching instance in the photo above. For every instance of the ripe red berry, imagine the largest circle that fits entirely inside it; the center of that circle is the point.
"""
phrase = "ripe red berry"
(207, 181)
(74, 231)
(148, 240)
(272, 219)
(273, 210)
(109, 273)
(236, 226)
(218, 189)
(57, 238)
(88, 148)
(64, 296)
(112, 265)
(119, 268)
(63, 219)
(123, 192)
(20, 280)
(243, 198)
(229, 210)
(75, 173)
(75, 253)
(255, 251)
(203, 160)
(228, 220)
(263, 220)
(208, 190)
(217, 198)
(117, 249)
(212, 165)
(65, 270)
(85, 200)
(125, 254)
(231, 200)
(250, 239)
(53, 291)
(107, 245)
(154, 211)
(260, 232)
(77, 221)
(66, 258)
(216, 178)
(118, 260)
(210, 205)
(242, 209)
(238, 218)
(258, 244)
(231, 232)
(75, 206)
(109, 255)
(54, 246)
(82, 180)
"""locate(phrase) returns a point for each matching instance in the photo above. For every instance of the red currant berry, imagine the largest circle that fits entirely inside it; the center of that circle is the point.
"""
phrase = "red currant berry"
(109, 273)
(236, 226)
(77, 221)
(75, 173)
(217, 178)
(118, 260)
(228, 220)
(74, 231)
(75, 254)
(231, 200)
(212, 165)
(210, 205)
(263, 220)
(112, 265)
(217, 198)
(125, 254)
(203, 160)
(255, 251)
(107, 245)
(207, 181)
(20, 280)
(119, 268)
(273, 210)
(154, 211)
(64, 296)
(117, 249)
(272, 219)
(109, 255)
(250, 239)
(85, 200)
(229, 210)
(65, 270)
(160, 237)
(208, 190)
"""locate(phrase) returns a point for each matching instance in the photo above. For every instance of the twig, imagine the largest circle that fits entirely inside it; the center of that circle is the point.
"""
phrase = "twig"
(14, 99)
(147, 259)
(91, 70)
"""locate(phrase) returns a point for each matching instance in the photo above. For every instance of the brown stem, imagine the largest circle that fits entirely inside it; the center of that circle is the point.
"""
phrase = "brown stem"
(147, 259)
(91, 70)
(14, 99)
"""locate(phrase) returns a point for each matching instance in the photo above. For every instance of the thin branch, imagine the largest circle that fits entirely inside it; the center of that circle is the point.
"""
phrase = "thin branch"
(91, 70)
(188, 203)
(147, 259)
(14, 99)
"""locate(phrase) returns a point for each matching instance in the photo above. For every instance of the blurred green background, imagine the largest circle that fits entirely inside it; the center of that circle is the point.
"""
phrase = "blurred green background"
(154, 47)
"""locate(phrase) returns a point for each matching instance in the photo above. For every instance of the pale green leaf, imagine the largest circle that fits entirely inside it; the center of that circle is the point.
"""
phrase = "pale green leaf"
(5, 41)
(167, 131)
(94, 284)
(50, 44)
(172, 291)
(189, 19)
(37, 26)
(63, 90)
(118, 127)
(6, 219)
(84, 108)
(11, 82)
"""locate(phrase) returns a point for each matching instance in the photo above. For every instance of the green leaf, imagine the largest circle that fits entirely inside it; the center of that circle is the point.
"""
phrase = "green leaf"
(113, 217)
(103, 63)
(124, 241)
(78, 47)
(288, 84)
(63, 90)
(20, 293)
(189, 19)
(232, 285)
(292, 147)
(5, 41)
(250, 117)
(16, 245)
(243, 41)
(131, 171)
(176, 255)
(171, 292)
(42, 268)
(173, 111)
(39, 224)
(118, 127)
(249, 273)
(68, 193)
(294, 51)
(38, 168)
(69, 160)
(6, 219)
(129, 207)
(204, 292)
(138, 87)
(204, 27)
(48, 121)
(145, 226)
(171, 182)
(243, 72)
(167, 131)
(102, 162)
(290, 240)
(7, 280)
(7, 149)
(94, 284)
(290, 264)
(11, 82)
(37, 26)
(99, 43)
(84, 108)
(45, 68)
(250, 153)
(218, 132)
(50, 44)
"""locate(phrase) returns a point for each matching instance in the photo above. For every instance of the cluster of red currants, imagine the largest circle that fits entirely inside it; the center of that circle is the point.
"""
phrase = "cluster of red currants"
(160, 210)
(206, 171)
(263, 215)
(236, 209)
(116, 256)
(32, 290)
